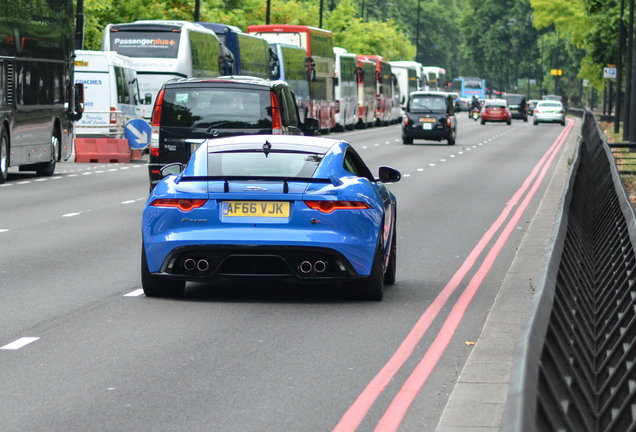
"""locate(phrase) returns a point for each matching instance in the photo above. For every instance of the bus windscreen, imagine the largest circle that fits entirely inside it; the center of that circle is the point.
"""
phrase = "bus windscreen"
(145, 44)
(475, 84)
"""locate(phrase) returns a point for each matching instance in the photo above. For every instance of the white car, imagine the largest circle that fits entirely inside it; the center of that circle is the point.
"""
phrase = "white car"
(548, 111)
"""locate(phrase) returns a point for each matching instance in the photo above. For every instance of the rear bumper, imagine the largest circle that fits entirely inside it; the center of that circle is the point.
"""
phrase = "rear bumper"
(299, 263)
(433, 135)
(549, 118)
(495, 118)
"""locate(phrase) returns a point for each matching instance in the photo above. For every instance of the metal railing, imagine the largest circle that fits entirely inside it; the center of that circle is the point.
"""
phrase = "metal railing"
(575, 365)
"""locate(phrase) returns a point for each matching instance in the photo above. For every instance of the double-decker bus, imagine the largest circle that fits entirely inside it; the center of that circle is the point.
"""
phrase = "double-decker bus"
(290, 60)
(467, 87)
(162, 50)
(249, 54)
(436, 78)
(320, 61)
(346, 89)
(366, 77)
(37, 91)
(384, 98)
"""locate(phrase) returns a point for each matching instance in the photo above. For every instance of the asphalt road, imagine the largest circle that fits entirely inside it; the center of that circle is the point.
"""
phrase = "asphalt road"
(251, 357)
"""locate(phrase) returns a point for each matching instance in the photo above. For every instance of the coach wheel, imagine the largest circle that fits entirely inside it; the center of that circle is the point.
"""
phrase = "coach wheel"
(48, 168)
(4, 155)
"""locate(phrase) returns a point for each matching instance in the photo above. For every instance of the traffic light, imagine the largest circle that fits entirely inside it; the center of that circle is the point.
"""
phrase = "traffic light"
(556, 72)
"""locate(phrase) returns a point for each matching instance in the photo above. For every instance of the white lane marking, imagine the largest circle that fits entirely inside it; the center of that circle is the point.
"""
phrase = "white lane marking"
(388, 142)
(124, 168)
(72, 175)
(19, 343)
(111, 170)
(461, 152)
(136, 166)
(24, 182)
(376, 145)
(480, 144)
(420, 169)
(40, 180)
(364, 146)
(452, 155)
(128, 202)
(442, 160)
(397, 140)
(55, 178)
(406, 175)
(98, 172)
(70, 214)
(431, 164)
(6, 185)
(135, 293)
(87, 173)
(3, 230)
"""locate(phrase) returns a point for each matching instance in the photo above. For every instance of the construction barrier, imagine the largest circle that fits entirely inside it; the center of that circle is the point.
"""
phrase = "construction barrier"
(102, 150)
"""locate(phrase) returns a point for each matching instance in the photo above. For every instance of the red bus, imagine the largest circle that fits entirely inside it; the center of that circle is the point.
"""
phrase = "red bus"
(383, 91)
(320, 61)
(366, 93)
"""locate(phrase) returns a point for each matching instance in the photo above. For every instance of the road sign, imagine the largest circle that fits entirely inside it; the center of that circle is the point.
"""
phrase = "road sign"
(609, 73)
(138, 134)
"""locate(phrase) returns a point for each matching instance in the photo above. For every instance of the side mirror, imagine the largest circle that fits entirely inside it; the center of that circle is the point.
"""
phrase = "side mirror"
(312, 126)
(147, 99)
(171, 169)
(79, 98)
(389, 175)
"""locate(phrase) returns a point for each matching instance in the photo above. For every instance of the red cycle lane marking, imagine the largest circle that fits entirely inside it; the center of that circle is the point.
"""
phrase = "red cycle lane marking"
(393, 416)
(356, 413)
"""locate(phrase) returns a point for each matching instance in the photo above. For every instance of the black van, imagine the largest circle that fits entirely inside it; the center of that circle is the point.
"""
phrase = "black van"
(518, 106)
(188, 111)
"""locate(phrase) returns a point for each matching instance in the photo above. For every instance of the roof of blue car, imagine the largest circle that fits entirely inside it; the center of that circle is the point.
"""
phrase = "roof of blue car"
(287, 142)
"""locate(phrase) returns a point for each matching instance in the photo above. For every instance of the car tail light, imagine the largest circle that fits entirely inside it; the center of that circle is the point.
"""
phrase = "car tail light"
(406, 120)
(537, 111)
(561, 112)
(156, 123)
(113, 116)
(330, 206)
(276, 120)
(448, 121)
(337, 108)
(182, 204)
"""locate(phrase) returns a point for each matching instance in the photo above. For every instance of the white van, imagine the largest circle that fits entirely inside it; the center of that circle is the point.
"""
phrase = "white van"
(111, 94)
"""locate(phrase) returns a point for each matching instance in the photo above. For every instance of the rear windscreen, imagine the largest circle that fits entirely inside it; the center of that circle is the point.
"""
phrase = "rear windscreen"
(427, 104)
(261, 164)
(217, 108)
(495, 105)
(514, 100)
(549, 105)
(145, 44)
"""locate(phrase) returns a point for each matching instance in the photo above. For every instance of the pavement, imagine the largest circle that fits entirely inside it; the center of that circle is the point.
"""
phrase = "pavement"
(477, 402)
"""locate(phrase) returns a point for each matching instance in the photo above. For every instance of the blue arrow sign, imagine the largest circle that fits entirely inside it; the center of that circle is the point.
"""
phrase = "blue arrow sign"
(138, 134)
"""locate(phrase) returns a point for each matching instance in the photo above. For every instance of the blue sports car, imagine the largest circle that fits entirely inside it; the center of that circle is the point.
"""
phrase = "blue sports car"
(270, 206)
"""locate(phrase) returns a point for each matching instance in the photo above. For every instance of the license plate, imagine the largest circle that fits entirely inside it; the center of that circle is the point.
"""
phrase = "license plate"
(255, 208)
(514, 111)
(427, 126)
(495, 111)
(81, 63)
(428, 119)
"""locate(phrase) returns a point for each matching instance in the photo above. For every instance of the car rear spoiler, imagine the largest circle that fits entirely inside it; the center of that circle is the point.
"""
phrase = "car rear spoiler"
(226, 179)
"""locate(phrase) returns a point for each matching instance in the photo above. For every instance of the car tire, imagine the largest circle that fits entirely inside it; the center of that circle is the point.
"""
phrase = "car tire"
(525, 119)
(156, 286)
(372, 287)
(483, 122)
(407, 140)
(509, 122)
(450, 141)
(391, 269)
(4, 155)
(562, 123)
(47, 169)
(535, 123)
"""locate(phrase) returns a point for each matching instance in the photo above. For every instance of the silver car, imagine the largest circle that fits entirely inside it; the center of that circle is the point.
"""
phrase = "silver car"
(548, 111)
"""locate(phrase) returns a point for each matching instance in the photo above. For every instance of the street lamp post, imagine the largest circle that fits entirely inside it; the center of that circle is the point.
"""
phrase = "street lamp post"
(417, 33)
(619, 71)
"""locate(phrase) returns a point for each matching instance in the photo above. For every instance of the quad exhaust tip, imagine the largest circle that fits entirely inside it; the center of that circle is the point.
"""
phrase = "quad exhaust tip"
(190, 264)
(305, 267)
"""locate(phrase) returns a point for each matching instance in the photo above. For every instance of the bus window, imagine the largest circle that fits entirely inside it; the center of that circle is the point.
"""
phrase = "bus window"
(254, 56)
(123, 92)
(146, 44)
(2, 81)
(205, 55)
